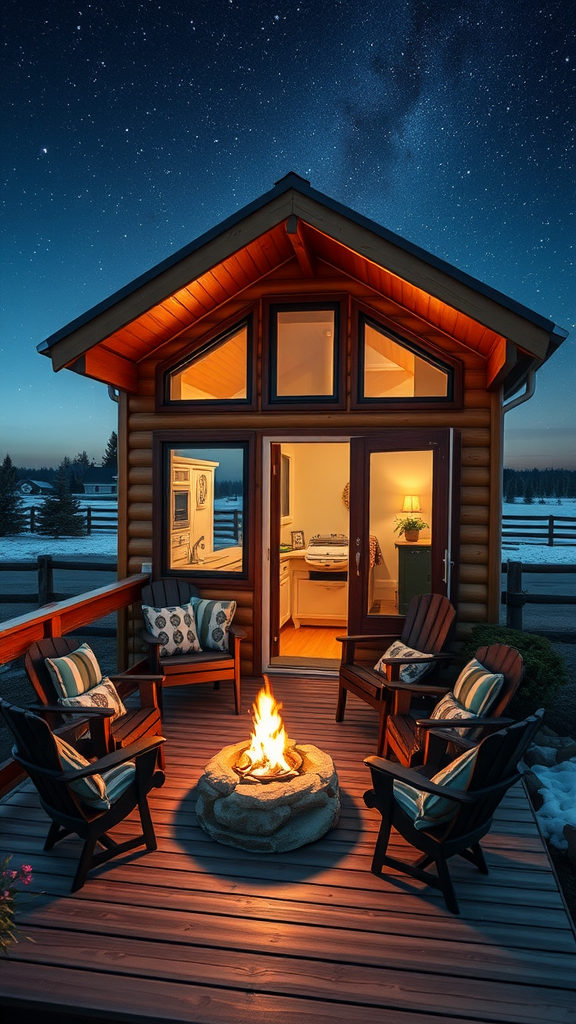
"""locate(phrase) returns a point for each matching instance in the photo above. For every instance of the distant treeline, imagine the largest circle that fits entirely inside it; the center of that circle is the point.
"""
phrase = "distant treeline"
(530, 485)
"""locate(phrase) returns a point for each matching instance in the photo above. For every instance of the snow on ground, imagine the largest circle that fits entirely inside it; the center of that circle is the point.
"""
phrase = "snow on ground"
(559, 795)
(28, 546)
(539, 554)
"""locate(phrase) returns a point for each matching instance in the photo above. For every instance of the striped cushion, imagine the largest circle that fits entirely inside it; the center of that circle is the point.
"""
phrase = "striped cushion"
(105, 695)
(408, 673)
(174, 627)
(447, 707)
(92, 790)
(476, 689)
(213, 620)
(76, 673)
(97, 791)
(427, 809)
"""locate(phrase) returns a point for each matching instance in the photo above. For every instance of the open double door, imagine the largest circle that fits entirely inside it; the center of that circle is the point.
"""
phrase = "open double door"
(382, 468)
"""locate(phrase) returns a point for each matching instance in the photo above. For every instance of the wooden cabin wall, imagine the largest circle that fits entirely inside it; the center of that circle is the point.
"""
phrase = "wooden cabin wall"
(479, 422)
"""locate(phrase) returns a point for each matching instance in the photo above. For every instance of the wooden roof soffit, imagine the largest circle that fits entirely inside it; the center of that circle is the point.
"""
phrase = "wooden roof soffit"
(103, 365)
(501, 361)
(301, 245)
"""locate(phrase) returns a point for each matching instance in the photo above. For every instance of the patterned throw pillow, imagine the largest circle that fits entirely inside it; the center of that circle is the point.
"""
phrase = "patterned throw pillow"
(76, 673)
(427, 809)
(105, 695)
(408, 673)
(447, 707)
(174, 627)
(213, 620)
(476, 689)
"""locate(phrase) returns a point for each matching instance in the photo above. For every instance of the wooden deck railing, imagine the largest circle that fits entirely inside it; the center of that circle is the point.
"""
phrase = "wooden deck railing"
(58, 619)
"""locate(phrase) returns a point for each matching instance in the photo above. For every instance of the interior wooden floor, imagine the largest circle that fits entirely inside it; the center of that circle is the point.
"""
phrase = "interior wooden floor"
(201, 932)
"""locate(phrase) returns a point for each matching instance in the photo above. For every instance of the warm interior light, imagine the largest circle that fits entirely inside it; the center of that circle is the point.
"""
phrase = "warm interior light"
(268, 743)
(411, 503)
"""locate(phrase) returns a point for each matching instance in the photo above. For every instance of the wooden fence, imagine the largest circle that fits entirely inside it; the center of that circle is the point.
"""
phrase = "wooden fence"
(45, 594)
(549, 530)
(514, 598)
(227, 524)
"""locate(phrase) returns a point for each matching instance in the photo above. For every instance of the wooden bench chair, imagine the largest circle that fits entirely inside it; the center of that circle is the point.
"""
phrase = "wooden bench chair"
(470, 791)
(427, 629)
(411, 739)
(121, 781)
(106, 736)
(198, 667)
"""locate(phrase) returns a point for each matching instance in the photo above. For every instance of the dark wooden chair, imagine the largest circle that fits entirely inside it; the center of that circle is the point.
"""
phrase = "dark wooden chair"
(106, 736)
(201, 667)
(494, 771)
(410, 738)
(427, 628)
(36, 750)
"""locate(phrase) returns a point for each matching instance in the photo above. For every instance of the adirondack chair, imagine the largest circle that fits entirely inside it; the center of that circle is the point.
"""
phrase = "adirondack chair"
(410, 738)
(105, 736)
(426, 629)
(470, 789)
(121, 782)
(208, 666)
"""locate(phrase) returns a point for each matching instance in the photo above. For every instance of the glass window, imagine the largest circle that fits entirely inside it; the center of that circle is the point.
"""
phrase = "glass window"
(206, 488)
(304, 352)
(216, 373)
(397, 371)
(285, 485)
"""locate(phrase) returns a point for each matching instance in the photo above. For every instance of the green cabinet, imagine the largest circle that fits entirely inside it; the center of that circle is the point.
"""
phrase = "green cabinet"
(414, 572)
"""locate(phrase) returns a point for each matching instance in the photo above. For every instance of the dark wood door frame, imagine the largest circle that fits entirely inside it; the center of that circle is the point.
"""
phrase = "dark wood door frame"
(445, 505)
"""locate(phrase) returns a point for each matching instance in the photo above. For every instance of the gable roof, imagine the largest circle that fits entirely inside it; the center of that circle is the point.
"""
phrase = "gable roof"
(293, 219)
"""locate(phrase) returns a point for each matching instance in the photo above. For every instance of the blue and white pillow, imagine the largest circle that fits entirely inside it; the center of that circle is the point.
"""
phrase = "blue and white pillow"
(213, 619)
(428, 809)
(97, 791)
(408, 673)
(75, 673)
(476, 688)
(175, 627)
(448, 707)
(104, 695)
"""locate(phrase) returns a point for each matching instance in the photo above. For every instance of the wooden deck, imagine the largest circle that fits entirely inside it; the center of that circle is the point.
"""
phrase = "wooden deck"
(201, 932)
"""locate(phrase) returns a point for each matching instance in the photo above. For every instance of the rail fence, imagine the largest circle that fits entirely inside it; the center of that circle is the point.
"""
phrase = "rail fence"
(548, 530)
(514, 597)
(227, 523)
(44, 567)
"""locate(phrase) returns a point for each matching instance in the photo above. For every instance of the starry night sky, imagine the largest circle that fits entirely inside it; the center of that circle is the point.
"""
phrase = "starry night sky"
(129, 128)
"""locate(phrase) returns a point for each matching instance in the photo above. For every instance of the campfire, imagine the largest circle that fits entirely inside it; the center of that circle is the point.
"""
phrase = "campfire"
(268, 794)
(271, 757)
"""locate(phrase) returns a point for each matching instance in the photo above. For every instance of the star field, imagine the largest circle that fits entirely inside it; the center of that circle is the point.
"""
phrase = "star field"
(131, 128)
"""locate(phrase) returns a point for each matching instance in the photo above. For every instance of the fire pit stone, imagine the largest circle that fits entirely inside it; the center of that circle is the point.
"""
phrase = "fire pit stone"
(268, 817)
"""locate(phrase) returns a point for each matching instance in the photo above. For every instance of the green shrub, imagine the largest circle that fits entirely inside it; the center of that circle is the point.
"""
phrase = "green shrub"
(544, 669)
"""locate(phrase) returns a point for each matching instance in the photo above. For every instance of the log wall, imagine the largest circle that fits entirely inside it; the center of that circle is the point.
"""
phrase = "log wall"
(479, 422)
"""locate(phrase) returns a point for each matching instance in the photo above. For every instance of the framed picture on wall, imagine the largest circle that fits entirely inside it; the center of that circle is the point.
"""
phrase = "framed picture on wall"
(298, 541)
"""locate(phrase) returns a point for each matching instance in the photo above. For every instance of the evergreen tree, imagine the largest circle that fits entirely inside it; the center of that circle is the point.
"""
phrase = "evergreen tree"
(61, 513)
(528, 493)
(110, 457)
(12, 514)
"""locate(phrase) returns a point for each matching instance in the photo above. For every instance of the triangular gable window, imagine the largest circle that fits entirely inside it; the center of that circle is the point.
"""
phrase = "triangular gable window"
(394, 370)
(219, 371)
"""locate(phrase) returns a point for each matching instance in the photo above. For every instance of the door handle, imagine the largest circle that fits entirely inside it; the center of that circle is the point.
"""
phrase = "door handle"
(357, 563)
(447, 565)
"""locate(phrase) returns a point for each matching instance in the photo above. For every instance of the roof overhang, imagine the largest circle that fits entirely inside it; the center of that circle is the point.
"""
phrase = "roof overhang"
(292, 221)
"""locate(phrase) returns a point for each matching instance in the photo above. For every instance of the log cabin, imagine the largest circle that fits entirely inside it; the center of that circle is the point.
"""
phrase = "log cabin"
(291, 384)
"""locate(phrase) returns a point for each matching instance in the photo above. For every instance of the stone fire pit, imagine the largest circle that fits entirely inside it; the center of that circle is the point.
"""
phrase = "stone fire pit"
(268, 817)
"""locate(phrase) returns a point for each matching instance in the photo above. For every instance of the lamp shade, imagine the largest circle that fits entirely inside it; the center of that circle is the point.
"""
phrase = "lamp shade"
(411, 503)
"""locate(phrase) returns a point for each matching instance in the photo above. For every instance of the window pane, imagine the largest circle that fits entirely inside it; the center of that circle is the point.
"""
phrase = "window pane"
(219, 373)
(206, 502)
(304, 353)
(392, 371)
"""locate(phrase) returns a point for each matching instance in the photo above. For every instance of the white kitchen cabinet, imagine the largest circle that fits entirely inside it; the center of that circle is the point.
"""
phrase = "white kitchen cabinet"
(319, 602)
(285, 610)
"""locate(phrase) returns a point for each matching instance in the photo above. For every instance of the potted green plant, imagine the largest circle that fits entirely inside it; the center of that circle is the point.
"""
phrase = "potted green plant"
(410, 527)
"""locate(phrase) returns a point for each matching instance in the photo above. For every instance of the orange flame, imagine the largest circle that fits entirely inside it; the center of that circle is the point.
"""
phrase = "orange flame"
(268, 742)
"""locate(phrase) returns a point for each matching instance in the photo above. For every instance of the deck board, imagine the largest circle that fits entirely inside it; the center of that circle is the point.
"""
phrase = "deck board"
(200, 931)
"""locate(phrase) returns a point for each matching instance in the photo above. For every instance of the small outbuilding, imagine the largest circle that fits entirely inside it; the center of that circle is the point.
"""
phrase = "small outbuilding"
(290, 385)
(33, 487)
(100, 482)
